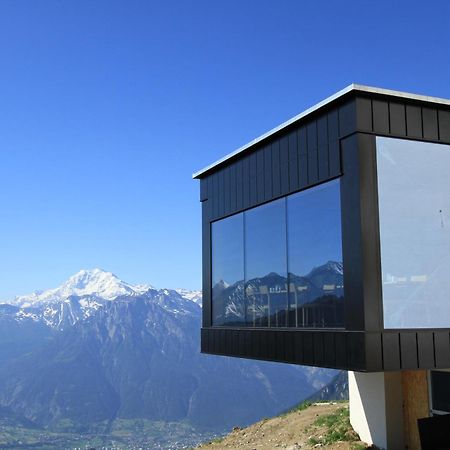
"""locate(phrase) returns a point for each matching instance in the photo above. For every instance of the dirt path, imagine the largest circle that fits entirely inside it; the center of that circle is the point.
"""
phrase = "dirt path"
(315, 426)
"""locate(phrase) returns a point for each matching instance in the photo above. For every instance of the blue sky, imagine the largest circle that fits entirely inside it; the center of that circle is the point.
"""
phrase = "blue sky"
(107, 107)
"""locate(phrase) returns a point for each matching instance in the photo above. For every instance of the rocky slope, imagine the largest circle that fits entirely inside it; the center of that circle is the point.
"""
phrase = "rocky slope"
(96, 350)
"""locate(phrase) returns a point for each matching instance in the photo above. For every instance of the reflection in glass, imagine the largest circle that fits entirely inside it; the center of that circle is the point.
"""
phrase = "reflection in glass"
(280, 264)
(316, 289)
(227, 237)
(265, 265)
(414, 216)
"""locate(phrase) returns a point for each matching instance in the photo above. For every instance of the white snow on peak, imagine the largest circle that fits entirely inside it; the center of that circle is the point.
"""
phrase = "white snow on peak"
(193, 296)
(95, 282)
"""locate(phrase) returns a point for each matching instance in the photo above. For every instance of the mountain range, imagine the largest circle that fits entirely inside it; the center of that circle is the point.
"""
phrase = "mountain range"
(98, 354)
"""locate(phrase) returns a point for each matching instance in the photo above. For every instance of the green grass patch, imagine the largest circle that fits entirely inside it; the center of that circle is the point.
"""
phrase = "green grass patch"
(337, 428)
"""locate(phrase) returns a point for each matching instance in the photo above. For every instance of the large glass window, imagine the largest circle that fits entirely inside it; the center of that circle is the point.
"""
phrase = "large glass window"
(265, 265)
(316, 285)
(414, 215)
(280, 264)
(227, 237)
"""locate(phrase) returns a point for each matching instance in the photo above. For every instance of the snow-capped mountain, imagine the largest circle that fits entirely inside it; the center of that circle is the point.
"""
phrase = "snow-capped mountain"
(84, 293)
(95, 282)
(89, 360)
(194, 296)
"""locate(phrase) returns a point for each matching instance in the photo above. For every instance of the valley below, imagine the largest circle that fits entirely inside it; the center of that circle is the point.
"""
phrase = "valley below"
(100, 363)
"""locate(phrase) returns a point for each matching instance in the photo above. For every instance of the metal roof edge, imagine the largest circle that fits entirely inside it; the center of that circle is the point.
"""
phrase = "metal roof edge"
(317, 106)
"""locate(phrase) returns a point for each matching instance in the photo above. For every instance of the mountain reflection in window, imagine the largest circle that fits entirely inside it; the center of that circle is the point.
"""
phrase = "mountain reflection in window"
(280, 264)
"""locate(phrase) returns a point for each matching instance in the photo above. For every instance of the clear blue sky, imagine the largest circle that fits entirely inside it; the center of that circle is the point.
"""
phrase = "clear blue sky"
(107, 107)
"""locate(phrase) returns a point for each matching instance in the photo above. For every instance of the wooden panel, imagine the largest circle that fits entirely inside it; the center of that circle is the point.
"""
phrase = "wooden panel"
(322, 142)
(415, 405)
(444, 126)
(293, 161)
(430, 123)
(333, 144)
(380, 111)
(414, 121)
(442, 349)
(313, 169)
(425, 349)
(215, 197)
(284, 165)
(408, 350)
(281, 345)
(302, 148)
(397, 117)
(391, 351)
(364, 114)
(276, 175)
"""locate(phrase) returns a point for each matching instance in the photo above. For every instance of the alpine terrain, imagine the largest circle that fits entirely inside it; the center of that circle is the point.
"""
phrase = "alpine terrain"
(100, 362)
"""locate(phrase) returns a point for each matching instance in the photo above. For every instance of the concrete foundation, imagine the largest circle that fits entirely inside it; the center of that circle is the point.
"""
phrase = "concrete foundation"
(376, 408)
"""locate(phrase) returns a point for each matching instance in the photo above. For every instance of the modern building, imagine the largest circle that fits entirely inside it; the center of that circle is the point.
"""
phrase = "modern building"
(326, 242)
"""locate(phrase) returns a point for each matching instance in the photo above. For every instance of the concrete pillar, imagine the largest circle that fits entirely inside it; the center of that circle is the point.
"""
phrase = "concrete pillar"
(376, 411)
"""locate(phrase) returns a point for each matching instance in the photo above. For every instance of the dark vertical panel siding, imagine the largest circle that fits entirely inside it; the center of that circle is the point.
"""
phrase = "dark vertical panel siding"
(284, 165)
(408, 350)
(206, 266)
(442, 349)
(334, 156)
(322, 144)
(260, 175)
(341, 350)
(347, 118)
(444, 126)
(413, 121)
(276, 175)
(253, 181)
(227, 190)
(351, 232)
(425, 349)
(246, 181)
(363, 114)
(203, 189)
(298, 347)
(356, 350)
(430, 123)
(391, 351)
(239, 186)
(221, 200)
(329, 349)
(293, 161)
(374, 352)
(318, 342)
(313, 169)
(397, 117)
(380, 111)
(233, 188)
(267, 172)
(302, 148)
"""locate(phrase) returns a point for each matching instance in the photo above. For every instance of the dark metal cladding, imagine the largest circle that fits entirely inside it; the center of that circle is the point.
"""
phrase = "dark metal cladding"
(335, 140)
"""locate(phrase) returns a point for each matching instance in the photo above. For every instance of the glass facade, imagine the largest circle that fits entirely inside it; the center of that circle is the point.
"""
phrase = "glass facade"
(280, 264)
(414, 217)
